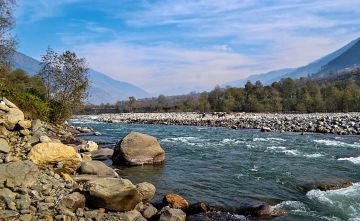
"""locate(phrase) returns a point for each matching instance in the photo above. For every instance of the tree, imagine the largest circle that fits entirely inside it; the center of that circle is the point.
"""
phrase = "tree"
(7, 40)
(132, 103)
(66, 82)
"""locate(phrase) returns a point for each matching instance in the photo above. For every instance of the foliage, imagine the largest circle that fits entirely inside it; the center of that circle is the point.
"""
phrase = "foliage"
(7, 40)
(27, 92)
(66, 83)
(341, 94)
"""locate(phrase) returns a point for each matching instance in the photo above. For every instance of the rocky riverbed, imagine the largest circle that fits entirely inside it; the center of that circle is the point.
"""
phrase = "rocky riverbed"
(335, 123)
(48, 173)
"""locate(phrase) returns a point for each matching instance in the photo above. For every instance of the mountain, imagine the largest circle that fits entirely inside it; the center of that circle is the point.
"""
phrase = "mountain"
(265, 78)
(348, 59)
(103, 89)
(347, 56)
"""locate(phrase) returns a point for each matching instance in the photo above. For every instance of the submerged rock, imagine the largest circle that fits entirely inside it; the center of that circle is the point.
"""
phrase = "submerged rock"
(138, 149)
(112, 193)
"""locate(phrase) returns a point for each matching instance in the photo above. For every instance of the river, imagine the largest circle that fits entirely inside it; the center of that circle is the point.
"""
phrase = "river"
(234, 167)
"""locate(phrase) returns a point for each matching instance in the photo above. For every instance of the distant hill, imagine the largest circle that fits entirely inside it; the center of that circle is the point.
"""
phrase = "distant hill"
(345, 57)
(265, 78)
(349, 59)
(103, 89)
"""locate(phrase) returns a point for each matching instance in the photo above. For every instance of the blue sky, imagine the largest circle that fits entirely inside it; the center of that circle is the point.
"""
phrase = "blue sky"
(170, 46)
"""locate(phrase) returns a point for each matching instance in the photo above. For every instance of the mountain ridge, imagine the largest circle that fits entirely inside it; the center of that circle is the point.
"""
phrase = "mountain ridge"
(103, 89)
(310, 70)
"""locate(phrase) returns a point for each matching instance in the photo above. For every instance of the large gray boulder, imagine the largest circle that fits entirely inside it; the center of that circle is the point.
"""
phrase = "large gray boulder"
(138, 149)
(20, 173)
(98, 168)
(112, 193)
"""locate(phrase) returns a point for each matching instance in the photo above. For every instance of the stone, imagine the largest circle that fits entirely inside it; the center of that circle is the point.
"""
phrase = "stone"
(73, 201)
(25, 124)
(132, 215)
(149, 211)
(170, 214)
(20, 173)
(88, 146)
(44, 139)
(147, 190)
(102, 154)
(53, 153)
(23, 203)
(175, 201)
(85, 157)
(26, 217)
(13, 117)
(7, 195)
(265, 129)
(96, 133)
(36, 125)
(85, 130)
(4, 146)
(112, 193)
(97, 168)
(138, 149)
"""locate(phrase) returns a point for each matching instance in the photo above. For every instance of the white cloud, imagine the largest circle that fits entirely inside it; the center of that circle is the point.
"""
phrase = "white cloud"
(161, 68)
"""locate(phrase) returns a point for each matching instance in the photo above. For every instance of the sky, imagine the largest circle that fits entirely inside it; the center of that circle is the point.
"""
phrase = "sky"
(179, 46)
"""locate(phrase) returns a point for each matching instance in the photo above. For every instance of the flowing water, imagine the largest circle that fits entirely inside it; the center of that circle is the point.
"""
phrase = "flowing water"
(230, 167)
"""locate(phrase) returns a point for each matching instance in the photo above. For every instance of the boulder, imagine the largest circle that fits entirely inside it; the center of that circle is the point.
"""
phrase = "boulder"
(4, 146)
(102, 154)
(20, 173)
(73, 201)
(112, 193)
(170, 214)
(12, 117)
(175, 201)
(147, 190)
(148, 211)
(132, 215)
(97, 168)
(53, 153)
(138, 149)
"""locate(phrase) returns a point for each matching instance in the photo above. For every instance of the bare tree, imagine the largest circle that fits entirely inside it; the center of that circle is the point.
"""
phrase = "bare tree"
(66, 81)
(7, 22)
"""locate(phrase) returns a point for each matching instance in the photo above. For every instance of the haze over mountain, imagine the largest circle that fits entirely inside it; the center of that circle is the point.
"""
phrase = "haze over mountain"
(103, 89)
(345, 57)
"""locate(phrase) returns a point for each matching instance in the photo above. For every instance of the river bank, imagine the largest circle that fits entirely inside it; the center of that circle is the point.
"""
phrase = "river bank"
(335, 123)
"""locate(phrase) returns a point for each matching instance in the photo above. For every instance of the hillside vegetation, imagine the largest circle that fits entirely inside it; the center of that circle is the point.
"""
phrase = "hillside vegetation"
(338, 93)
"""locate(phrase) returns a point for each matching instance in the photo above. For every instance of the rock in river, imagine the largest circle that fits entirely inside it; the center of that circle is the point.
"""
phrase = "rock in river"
(138, 149)
(112, 193)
